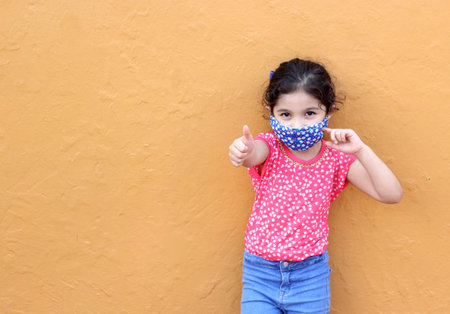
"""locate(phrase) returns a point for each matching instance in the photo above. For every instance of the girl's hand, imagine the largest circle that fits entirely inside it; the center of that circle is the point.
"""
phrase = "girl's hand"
(368, 173)
(242, 148)
(344, 140)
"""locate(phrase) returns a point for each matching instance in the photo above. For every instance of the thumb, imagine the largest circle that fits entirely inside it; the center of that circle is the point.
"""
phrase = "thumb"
(247, 135)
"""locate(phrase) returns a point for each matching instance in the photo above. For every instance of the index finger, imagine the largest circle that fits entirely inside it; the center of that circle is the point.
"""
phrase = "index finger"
(240, 145)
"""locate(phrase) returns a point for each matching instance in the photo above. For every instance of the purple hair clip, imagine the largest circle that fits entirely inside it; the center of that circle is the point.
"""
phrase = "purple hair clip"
(271, 74)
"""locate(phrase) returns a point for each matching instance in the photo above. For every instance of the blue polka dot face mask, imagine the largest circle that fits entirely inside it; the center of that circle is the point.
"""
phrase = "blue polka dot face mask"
(299, 139)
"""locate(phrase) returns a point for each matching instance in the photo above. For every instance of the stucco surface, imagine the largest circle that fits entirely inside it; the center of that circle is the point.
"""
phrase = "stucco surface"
(116, 193)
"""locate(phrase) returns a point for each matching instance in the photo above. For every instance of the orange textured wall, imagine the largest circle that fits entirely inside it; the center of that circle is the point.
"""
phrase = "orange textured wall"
(117, 195)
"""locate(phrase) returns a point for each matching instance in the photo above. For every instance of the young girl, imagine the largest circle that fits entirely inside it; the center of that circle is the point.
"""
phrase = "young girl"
(296, 175)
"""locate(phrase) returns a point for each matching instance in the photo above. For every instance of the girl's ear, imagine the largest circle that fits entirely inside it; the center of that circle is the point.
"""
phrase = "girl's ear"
(268, 108)
(333, 110)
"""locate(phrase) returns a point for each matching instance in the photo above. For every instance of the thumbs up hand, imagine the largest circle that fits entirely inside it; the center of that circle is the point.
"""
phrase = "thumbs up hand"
(242, 148)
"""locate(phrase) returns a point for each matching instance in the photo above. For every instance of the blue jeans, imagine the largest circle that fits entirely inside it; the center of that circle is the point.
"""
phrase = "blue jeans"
(284, 286)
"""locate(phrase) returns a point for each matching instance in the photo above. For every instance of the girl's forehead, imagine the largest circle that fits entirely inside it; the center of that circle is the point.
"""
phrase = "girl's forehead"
(297, 100)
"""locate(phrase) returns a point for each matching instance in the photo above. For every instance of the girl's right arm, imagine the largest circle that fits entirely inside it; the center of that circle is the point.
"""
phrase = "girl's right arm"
(247, 152)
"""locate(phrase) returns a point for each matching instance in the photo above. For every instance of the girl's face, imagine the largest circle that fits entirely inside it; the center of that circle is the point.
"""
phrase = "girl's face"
(298, 109)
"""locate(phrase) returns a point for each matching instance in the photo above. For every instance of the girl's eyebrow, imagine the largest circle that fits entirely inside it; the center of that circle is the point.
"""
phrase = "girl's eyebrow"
(313, 108)
(306, 109)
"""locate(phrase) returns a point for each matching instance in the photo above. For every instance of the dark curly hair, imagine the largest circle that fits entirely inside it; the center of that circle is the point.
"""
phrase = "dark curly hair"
(298, 74)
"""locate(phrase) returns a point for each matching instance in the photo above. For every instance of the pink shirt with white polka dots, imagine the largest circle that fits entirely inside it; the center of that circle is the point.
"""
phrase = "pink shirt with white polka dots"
(289, 220)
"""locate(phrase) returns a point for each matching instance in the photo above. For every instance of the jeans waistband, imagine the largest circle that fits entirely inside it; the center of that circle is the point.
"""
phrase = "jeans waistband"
(259, 261)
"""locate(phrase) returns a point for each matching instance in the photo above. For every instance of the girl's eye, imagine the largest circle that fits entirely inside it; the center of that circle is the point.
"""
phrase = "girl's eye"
(310, 113)
(285, 114)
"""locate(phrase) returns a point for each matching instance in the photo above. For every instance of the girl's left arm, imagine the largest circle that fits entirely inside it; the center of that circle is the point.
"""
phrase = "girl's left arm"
(368, 173)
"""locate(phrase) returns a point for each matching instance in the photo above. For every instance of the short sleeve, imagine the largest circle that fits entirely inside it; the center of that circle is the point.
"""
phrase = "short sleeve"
(269, 139)
(258, 172)
(340, 182)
